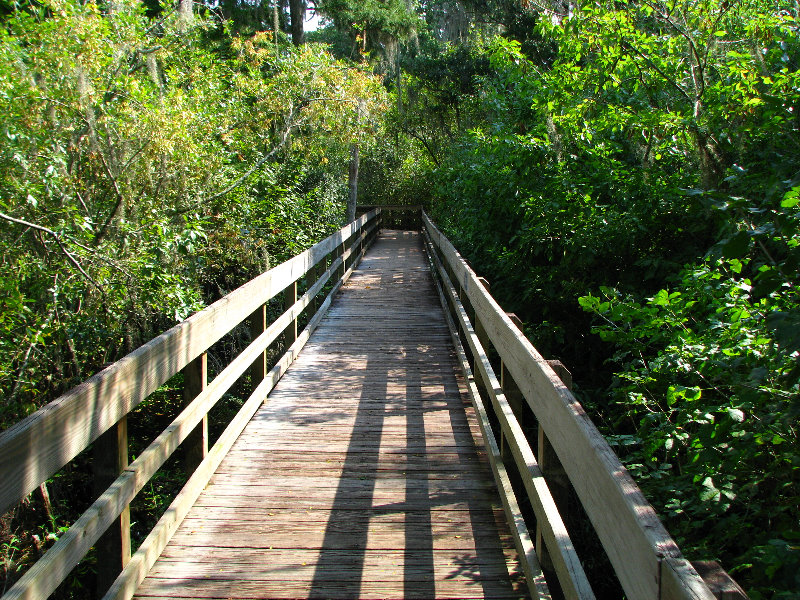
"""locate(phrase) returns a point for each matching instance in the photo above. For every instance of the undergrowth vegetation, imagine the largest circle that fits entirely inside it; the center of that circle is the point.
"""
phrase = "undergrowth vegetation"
(633, 195)
(152, 161)
(625, 173)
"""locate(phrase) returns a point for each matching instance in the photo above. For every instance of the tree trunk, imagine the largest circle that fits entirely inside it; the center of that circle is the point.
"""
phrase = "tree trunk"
(185, 13)
(297, 12)
(399, 75)
(276, 20)
(352, 179)
(352, 200)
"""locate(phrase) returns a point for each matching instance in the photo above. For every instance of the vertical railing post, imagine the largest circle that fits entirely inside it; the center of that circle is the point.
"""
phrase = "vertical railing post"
(343, 267)
(195, 379)
(317, 272)
(114, 547)
(334, 255)
(289, 298)
(554, 474)
(510, 388)
(258, 325)
(462, 334)
(483, 338)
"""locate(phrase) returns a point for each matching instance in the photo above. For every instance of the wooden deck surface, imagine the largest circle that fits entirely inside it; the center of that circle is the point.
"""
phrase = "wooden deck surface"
(363, 476)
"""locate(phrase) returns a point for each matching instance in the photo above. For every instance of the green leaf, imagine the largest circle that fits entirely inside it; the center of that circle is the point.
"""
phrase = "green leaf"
(736, 414)
(791, 198)
(736, 246)
(661, 298)
(588, 303)
(710, 491)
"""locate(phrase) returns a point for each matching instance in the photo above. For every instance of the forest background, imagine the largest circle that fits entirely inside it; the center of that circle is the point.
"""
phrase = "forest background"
(626, 174)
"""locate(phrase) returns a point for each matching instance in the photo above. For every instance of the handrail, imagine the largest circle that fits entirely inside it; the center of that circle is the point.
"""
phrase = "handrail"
(34, 449)
(645, 558)
(396, 216)
(572, 578)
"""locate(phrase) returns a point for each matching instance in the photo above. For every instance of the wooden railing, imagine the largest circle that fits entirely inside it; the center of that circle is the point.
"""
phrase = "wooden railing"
(96, 411)
(570, 452)
(645, 559)
(396, 216)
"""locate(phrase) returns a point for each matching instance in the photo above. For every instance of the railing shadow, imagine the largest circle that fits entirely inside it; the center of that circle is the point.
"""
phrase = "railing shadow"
(405, 378)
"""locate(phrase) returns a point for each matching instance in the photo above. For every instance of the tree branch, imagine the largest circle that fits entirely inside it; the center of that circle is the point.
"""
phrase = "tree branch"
(415, 135)
(63, 248)
(120, 200)
(667, 78)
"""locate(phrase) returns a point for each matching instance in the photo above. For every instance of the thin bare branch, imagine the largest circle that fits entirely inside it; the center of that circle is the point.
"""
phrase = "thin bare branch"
(63, 248)
(260, 162)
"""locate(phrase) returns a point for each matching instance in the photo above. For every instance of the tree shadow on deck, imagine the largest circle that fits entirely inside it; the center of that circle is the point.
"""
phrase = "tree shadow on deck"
(414, 378)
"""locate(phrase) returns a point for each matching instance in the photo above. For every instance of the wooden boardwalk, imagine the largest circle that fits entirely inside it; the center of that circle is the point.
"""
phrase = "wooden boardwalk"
(364, 475)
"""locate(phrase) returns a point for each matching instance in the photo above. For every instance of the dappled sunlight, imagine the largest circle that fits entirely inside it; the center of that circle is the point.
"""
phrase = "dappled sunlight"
(361, 476)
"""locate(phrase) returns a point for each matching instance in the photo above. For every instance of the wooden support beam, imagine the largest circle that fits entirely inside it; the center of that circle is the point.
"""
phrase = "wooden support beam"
(258, 325)
(289, 298)
(563, 373)
(483, 337)
(114, 546)
(511, 389)
(554, 475)
(343, 268)
(317, 272)
(195, 379)
(719, 581)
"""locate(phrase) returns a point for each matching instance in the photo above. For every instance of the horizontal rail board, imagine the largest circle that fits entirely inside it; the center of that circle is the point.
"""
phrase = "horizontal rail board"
(629, 529)
(35, 448)
(568, 567)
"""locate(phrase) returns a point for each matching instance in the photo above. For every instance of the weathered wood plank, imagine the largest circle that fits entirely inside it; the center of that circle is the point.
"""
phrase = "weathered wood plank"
(35, 448)
(194, 382)
(382, 590)
(364, 445)
(631, 533)
(114, 546)
(359, 516)
(442, 502)
(571, 576)
(280, 557)
(303, 568)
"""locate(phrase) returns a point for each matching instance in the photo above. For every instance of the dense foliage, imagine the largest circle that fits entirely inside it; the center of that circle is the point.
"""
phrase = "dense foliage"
(625, 172)
(639, 161)
(148, 168)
